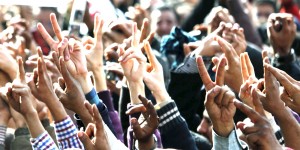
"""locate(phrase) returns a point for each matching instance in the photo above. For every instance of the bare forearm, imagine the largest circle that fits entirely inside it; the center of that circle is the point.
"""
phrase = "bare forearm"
(34, 124)
(289, 128)
(57, 110)
(100, 80)
(136, 89)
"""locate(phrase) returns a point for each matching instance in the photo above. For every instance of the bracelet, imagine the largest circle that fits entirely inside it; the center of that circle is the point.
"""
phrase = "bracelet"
(281, 60)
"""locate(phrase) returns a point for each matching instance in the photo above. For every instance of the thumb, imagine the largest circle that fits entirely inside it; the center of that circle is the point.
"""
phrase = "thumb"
(84, 138)
(211, 95)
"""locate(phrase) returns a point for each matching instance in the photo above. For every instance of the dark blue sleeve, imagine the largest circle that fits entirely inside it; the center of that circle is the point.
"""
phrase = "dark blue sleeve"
(173, 129)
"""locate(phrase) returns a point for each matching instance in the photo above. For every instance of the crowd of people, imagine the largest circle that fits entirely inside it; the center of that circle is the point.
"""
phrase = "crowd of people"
(157, 74)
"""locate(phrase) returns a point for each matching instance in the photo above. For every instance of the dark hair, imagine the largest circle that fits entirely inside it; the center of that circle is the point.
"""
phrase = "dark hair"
(171, 9)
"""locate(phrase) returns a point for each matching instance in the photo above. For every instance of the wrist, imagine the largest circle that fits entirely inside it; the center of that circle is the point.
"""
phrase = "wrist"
(223, 129)
(281, 59)
(30, 114)
(147, 144)
(135, 89)
(86, 83)
(100, 79)
(57, 110)
(161, 95)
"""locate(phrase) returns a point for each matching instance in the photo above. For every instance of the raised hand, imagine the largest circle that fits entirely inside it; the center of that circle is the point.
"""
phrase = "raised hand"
(149, 122)
(281, 32)
(133, 63)
(208, 46)
(94, 56)
(19, 94)
(219, 99)
(94, 137)
(290, 95)
(259, 135)
(52, 69)
(20, 99)
(233, 68)
(51, 42)
(154, 77)
(270, 97)
(249, 79)
(233, 34)
(41, 84)
(70, 94)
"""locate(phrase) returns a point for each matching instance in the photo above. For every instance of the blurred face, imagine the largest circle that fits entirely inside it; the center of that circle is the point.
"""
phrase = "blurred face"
(205, 128)
(163, 21)
(263, 12)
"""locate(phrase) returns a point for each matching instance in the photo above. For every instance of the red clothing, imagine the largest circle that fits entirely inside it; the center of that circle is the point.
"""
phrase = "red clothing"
(288, 6)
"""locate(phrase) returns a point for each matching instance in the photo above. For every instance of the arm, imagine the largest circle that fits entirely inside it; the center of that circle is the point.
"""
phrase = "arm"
(170, 118)
(21, 100)
(287, 122)
(113, 114)
(133, 63)
(44, 85)
(102, 135)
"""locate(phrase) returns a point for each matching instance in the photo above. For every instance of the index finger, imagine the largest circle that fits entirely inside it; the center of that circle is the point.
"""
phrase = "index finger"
(227, 49)
(98, 28)
(145, 29)
(41, 56)
(221, 72)
(249, 65)
(46, 36)
(254, 116)
(134, 41)
(21, 71)
(281, 78)
(208, 83)
(152, 59)
(55, 26)
(244, 69)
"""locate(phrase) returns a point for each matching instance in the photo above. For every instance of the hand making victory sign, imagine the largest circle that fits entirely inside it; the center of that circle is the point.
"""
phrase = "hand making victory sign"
(219, 99)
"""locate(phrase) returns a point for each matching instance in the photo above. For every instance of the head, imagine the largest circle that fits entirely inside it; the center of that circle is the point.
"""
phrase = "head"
(205, 127)
(163, 19)
(264, 9)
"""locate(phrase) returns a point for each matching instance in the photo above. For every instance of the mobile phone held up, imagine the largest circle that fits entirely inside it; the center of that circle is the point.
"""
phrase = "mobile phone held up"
(77, 27)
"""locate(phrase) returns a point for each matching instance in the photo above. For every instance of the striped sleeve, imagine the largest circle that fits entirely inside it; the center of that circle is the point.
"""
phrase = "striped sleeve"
(43, 142)
(2, 134)
(66, 133)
